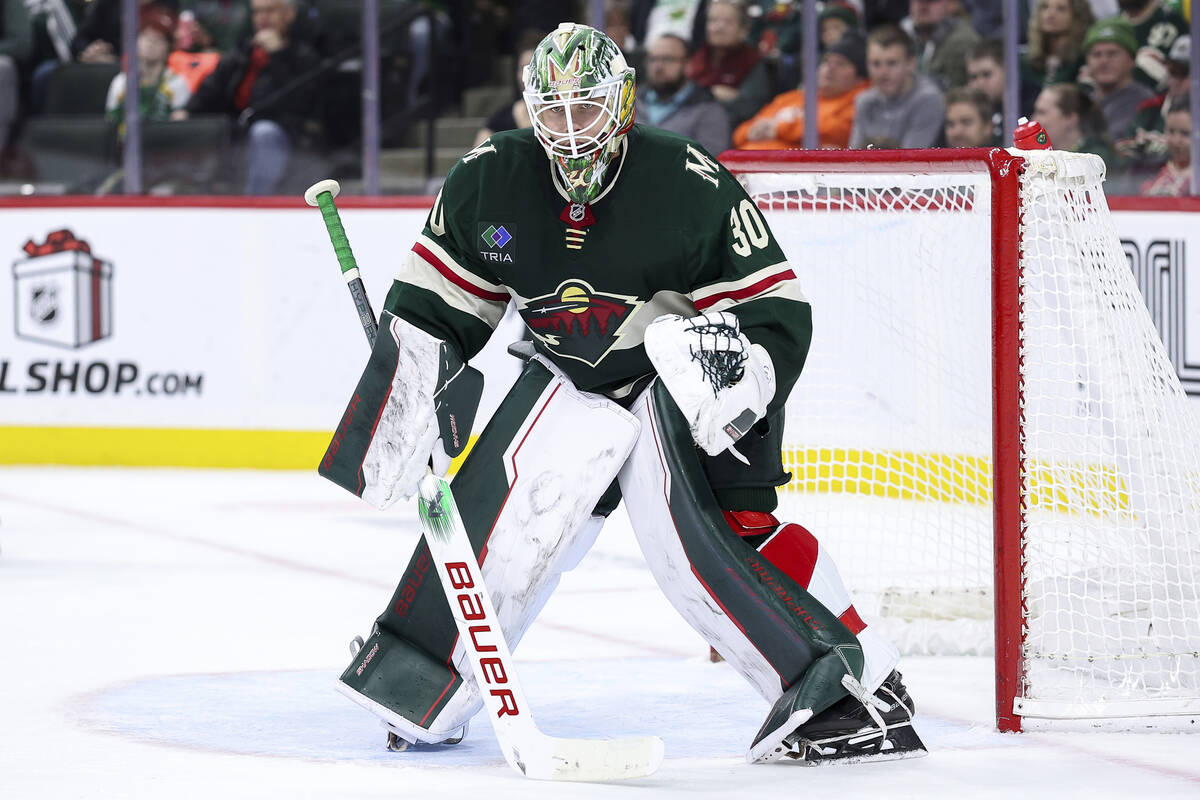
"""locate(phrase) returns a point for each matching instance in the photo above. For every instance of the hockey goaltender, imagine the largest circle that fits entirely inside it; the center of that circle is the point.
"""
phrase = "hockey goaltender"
(667, 331)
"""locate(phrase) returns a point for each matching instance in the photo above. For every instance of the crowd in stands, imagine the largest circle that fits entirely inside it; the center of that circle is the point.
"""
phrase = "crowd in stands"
(1109, 77)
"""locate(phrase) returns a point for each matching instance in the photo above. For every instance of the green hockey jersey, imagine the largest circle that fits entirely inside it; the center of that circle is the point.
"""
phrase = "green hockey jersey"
(672, 232)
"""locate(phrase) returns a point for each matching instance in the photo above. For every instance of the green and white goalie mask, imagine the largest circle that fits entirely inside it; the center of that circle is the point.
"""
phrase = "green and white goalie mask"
(580, 96)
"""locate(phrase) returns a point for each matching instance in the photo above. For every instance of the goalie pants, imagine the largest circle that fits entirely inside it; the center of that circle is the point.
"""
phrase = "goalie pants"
(525, 494)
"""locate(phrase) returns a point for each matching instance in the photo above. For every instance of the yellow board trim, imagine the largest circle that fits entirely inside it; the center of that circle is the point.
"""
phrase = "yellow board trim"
(893, 474)
(168, 447)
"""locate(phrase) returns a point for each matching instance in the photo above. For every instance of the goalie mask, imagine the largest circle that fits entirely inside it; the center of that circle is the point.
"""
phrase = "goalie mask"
(580, 96)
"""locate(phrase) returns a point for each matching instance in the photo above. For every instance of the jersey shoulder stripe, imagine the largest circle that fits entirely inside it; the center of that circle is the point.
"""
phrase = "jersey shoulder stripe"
(435, 256)
(777, 280)
(417, 273)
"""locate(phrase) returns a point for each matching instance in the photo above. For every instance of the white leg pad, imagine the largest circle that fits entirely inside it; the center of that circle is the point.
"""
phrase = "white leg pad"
(645, 488)
(545, 526)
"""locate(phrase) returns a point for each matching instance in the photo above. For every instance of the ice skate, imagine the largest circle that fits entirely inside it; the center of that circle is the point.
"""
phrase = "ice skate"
(849, 731)
(398, 744)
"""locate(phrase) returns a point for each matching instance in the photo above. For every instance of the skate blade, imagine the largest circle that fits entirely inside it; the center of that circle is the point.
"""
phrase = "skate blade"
(902, 743)
(396, 743)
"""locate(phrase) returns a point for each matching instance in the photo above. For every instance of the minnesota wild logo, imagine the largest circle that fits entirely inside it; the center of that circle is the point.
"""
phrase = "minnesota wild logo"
(576, 321)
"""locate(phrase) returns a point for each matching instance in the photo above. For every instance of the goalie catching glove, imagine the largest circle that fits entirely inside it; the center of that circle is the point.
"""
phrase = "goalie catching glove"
(720, 381)
(413, 408)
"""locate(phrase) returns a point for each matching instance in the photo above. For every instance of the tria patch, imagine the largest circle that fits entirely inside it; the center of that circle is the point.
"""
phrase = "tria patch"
(578, 322)
(577, 215)
(497, 242)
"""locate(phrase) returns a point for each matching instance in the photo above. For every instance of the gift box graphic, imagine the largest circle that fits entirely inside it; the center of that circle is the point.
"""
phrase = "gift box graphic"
(63, 294)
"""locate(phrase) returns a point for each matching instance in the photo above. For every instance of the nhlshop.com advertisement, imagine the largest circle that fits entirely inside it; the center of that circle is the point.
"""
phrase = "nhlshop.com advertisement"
(224, 320)
(215, 336)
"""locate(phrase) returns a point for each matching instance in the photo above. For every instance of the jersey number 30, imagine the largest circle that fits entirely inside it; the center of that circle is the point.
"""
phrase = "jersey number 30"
(749, 229)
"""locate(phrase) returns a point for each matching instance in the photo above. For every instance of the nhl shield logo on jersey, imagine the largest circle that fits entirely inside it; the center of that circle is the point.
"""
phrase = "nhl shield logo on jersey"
(576, 321)
(497, 241)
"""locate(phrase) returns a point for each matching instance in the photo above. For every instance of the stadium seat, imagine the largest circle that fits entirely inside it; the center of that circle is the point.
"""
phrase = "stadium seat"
(77, 151)
(185, 153)
(79, 88)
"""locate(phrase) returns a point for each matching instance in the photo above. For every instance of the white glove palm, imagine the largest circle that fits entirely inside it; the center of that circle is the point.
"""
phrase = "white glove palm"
(720, 381)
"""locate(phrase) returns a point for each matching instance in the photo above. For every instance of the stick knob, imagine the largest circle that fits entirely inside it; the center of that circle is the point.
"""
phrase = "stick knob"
(319, 188)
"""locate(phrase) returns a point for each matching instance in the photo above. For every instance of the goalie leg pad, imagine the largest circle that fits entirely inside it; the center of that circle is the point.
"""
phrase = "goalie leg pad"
(526, 492)
(766, 625)
(797, 552)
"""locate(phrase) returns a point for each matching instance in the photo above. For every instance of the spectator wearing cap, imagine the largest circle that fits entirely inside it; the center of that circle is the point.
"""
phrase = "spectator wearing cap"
(1155, 28)
(902, 108)
(840, 78)
(835, 21)
(668, 100)
(161, 93)
(254, 83)
(943, 38)
(1109, 49)
(1146, 148)
(1174, 179)
(1056, 32)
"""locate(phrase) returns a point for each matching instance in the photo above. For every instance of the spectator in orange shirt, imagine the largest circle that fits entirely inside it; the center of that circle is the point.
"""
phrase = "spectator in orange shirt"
(780, 124)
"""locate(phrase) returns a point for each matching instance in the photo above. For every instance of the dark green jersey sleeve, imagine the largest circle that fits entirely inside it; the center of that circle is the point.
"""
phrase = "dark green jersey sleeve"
(443, 287)
(743, 270)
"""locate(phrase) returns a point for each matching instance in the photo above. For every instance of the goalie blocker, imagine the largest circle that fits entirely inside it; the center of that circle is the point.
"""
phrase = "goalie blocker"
(414, 407)
(529, 519)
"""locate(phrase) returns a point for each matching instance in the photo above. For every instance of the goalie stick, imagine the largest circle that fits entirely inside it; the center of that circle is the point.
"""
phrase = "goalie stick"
(320, 195)
(525, 747)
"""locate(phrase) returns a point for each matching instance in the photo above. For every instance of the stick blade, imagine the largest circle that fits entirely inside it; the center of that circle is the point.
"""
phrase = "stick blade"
(594, 759)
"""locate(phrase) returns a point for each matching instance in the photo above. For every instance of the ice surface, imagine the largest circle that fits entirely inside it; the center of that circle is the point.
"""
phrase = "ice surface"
(176, 634)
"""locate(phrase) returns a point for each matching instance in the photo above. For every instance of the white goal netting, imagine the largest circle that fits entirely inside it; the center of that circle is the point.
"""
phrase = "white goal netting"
(889, 431)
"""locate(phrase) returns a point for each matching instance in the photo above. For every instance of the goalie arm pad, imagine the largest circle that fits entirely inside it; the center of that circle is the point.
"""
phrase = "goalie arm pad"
(414, 406)
(720, 381)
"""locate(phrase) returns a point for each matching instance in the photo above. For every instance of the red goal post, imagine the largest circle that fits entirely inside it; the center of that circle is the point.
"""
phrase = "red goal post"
(990, 415)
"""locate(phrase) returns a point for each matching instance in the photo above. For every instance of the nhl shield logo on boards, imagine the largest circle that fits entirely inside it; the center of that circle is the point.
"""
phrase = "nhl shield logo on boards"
(63, 292)
(43, 303)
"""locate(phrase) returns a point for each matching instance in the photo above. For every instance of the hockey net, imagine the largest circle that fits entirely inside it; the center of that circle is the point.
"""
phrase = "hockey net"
(988, 435)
